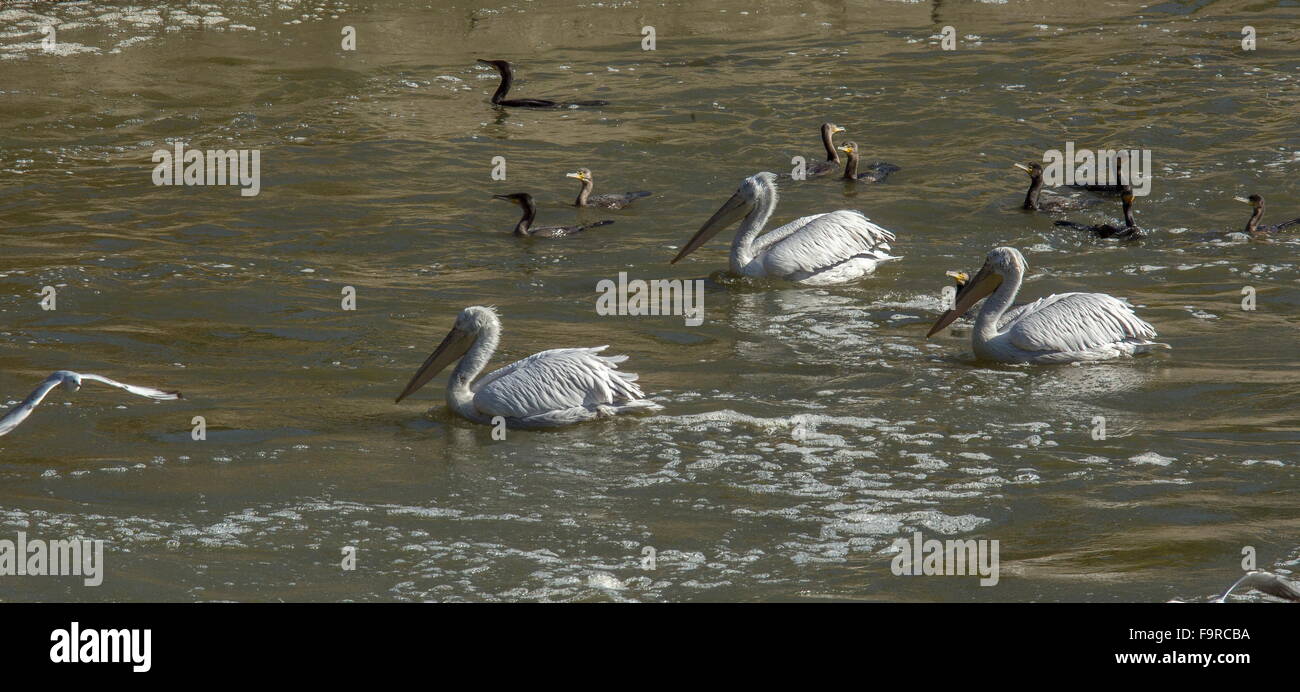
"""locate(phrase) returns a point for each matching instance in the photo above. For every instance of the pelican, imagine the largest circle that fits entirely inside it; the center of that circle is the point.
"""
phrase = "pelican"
(816, 250)
(552, 388)
(1061, 328)
(71, 381)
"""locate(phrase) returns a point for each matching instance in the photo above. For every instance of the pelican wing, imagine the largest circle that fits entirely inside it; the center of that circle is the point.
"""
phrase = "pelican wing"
(134, 389)
(555, 380)
(819, 242)
(1076, 322)
(19, 413)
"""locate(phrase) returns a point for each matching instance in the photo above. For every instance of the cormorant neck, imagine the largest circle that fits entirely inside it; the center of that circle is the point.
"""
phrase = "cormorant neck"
(530, 213)
(1031, 197)
(1255, 218)
(831, 153)
(507, 78)
(585, 192)
(1128, 215)
(851, 168)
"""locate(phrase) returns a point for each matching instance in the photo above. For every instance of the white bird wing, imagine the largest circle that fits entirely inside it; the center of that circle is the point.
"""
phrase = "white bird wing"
(19, 413)
(1076, 322)
(134, 389)
(555, 380)
(823, 241)
(779, 233)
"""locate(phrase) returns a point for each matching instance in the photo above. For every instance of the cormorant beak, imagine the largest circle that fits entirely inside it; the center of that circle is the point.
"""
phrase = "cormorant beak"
(1243, 199)
(579, 176)
(453, 346)
(984, 283)
(486, 62)
(846, 149)
(1023, 167)
(508, 198)
(731, 211)
(962, 278)
(838, 129)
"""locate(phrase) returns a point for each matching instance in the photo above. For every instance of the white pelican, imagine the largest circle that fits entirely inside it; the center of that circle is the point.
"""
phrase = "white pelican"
(71, 381)
(556, 387)
(815, 250)
(1062, 328)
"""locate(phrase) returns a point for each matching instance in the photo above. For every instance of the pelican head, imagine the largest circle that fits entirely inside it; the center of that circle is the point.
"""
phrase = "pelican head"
(583, 174)
(1000, 263)
(1254, 200)
(751, 189)
(470, 323)
(1032, 168)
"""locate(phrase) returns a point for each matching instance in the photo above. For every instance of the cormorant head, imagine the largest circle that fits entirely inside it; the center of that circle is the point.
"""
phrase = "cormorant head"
(1254, 200)
(583, 174)
(849, 148)
(521, 198)
(502, 66)
(1032, 168)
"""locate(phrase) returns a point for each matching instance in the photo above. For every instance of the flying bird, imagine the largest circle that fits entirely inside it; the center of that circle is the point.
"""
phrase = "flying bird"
(71, 381)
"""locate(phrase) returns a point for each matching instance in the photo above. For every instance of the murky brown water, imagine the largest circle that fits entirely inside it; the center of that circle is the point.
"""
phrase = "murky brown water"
(375, 174)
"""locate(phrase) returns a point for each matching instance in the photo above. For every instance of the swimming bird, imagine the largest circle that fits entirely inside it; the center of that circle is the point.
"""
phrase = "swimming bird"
(525, 226)
(1252, 226)
(556, 387)
(507, 72)
(606, 201)
(832, 162)
(1129, 231)
(1037, 199)
(961, 278)
(1267, 582)
(71, 381)
(876, 171)
(1061, 328)
(821, 249)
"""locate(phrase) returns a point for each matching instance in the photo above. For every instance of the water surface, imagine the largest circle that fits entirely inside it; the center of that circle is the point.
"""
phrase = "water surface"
(375, 175)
